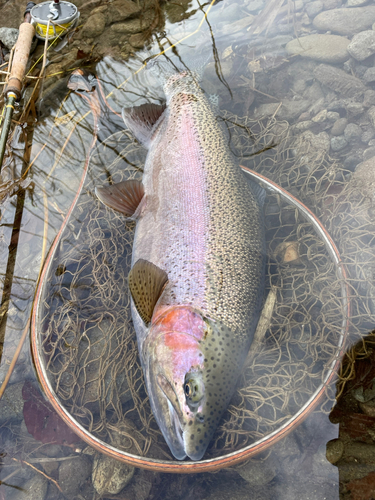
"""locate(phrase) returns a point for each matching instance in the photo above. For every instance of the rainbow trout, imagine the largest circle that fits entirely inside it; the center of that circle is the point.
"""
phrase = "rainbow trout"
(197, 274)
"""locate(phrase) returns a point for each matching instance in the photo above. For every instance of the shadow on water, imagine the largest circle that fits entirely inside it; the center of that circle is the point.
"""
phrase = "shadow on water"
(302, 116)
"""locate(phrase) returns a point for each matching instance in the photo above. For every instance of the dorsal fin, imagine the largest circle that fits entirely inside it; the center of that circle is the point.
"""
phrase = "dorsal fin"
(146, 283)
(124, 197)
(141, 119)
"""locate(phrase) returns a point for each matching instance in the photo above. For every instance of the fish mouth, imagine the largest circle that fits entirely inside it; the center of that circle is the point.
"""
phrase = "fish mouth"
(168, 415)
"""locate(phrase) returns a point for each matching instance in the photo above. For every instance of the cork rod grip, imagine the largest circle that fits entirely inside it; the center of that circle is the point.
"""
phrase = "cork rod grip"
(20, 58)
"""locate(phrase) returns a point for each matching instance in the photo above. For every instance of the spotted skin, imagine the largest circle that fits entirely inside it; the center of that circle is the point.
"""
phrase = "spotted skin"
(202, 224)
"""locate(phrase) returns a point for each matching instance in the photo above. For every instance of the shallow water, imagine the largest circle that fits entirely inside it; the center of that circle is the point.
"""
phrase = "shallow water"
(305, 122)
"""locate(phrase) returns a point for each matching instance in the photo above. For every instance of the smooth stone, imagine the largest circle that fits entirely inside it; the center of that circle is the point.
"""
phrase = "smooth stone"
(34, 489)
(369, 76)
(369, 153)
(94, 26)
(322, 48)
(339, 81)
(73, 473)
(331, 4)
(345, 21)
(352, 132)
(338, 143)
(362, 45)
(357, 3)
(334, 450)
(313, 8)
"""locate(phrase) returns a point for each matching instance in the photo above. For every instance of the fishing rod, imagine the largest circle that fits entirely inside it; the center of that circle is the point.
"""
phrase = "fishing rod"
(45, 20)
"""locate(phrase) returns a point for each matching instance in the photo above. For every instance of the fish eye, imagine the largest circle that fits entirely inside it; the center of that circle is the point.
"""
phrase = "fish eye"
(193, 388)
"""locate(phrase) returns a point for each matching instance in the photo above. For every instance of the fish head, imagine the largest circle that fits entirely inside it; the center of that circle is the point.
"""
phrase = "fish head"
(184, 379)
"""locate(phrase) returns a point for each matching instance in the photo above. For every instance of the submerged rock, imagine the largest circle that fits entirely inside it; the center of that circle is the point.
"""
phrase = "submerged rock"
(110, 476)
(11, 404)
(362, 45)
(256, 472)
(323, 48)
(73, 473)
(334, 450)
(94, 26)
(339, 81)
(34, 489)
(345, 21)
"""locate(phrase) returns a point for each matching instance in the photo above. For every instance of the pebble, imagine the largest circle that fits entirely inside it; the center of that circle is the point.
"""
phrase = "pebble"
(34, 489)
(73, 473)
(322, 48)
(362, 45)
(339, 81)
(352, 132)
(345, 21)
(338, 143)
(369, 75)
(109, 476)
(334, 450)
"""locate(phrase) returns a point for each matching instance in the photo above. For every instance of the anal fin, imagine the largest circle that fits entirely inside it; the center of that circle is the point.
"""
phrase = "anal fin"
(125, 197)
(146, 284)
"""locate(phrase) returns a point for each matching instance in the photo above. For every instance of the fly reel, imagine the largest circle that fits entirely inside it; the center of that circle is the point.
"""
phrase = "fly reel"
(54, 18)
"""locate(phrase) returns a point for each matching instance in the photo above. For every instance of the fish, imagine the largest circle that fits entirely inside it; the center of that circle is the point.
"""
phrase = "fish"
(198, 262)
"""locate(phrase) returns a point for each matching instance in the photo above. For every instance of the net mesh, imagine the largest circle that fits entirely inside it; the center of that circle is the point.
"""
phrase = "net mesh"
(88, 341)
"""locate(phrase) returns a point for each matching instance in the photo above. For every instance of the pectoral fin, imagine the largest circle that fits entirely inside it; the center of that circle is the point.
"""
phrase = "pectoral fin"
(125, 197)
(146, 283)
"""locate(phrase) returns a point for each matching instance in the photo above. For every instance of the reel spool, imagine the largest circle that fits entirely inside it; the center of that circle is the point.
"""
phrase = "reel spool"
(60, 15)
